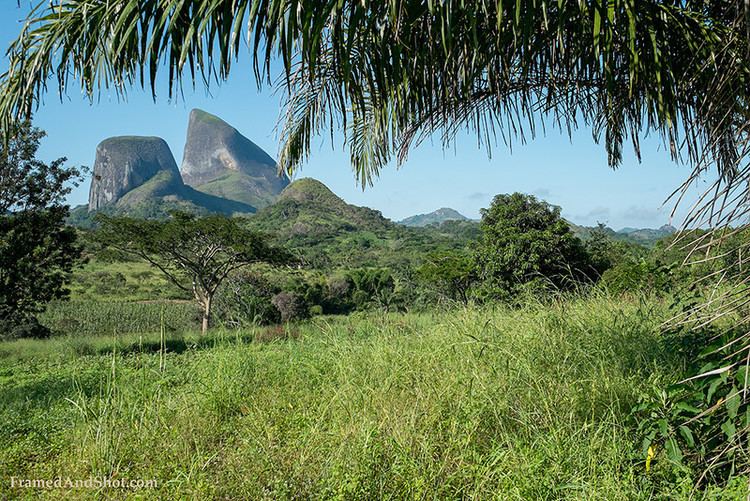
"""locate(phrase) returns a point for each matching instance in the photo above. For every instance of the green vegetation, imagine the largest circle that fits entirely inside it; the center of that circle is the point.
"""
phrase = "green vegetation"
(37, 250)
(427, 387)
(525, 242)
(194, 254)
(527, 404)
(107, 318)
(423, 405)
(236, 186)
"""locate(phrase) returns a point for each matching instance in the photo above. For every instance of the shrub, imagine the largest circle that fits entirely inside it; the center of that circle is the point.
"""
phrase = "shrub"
(290, 305)
(639, 275)
(245, 299)
(14, 327)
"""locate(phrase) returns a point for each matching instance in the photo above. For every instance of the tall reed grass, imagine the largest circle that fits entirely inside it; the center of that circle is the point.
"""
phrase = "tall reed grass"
(529, 403)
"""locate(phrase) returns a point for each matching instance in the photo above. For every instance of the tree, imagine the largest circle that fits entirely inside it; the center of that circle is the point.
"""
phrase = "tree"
(195, 254)
(524, 239)
(605, 252)
(451, 273)
(37, 250)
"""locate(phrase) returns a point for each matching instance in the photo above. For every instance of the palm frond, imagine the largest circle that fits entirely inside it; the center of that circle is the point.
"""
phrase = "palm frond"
(399, 70)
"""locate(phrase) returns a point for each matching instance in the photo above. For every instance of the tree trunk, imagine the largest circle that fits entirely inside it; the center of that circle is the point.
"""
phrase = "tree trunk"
(206, 315)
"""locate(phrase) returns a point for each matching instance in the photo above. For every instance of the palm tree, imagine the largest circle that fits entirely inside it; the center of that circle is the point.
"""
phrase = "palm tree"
(392, 72)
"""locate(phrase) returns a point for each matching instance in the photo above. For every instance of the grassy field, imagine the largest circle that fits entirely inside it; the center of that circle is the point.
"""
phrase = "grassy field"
(486, 404)
(99, 280)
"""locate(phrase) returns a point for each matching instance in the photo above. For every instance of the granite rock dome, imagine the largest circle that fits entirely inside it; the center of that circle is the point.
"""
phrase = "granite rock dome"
(220, 161)
(128, 162)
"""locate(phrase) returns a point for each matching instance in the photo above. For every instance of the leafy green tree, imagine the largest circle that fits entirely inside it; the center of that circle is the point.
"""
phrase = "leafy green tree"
(600, 247)
(523, 240)
(37, 250)
(450, 273)
(195, 254)
(372, 286)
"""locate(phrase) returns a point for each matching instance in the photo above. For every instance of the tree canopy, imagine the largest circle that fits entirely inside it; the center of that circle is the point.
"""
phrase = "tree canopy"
(526, 240)
(37, 250)
(195, 254)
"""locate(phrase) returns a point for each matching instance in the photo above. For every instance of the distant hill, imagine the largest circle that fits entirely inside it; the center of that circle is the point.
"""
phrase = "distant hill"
(647, 236)
(641, 236)
(435, 217)
(307, 208)
(331, 233)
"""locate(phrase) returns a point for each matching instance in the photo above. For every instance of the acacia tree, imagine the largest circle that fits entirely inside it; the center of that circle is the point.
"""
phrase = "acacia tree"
(37, 250)
(195, 254)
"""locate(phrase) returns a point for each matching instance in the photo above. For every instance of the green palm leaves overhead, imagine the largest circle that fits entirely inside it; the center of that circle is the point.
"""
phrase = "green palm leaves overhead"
(392, 72)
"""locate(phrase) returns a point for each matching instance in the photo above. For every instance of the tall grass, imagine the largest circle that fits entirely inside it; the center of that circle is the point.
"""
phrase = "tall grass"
(529, 403)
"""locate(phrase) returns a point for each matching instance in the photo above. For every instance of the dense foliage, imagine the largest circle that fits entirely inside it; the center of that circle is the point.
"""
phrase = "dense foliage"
(526, 241)
(351, 261)
(37, 250)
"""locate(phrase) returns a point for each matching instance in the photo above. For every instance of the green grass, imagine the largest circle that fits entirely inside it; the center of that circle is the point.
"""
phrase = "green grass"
(100, 280)
(484, 404)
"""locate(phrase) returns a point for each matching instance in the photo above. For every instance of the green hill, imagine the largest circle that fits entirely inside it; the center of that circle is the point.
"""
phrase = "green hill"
(331, 233)
(307, 209)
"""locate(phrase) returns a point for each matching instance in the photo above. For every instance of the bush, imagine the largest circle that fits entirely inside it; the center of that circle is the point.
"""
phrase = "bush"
(643, 276)
(371, 286)
(291, 306)
(245, 299)
(23, 327)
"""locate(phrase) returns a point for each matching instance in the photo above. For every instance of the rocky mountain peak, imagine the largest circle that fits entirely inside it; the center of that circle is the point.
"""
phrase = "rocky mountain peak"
(220, 161)
(126, 162)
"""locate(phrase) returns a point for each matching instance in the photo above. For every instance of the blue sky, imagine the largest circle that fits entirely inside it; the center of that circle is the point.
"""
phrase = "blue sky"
(570, 173)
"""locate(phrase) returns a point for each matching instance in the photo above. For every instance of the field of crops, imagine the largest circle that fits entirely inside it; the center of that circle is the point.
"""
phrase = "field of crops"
(81, 318)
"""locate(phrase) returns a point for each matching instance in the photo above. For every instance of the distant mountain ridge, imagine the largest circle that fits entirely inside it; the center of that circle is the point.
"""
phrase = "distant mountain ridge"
(641, 236)
(435, 217)
(331, 233)
(222, 171)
